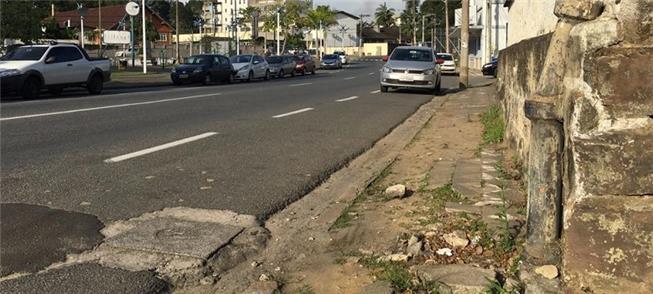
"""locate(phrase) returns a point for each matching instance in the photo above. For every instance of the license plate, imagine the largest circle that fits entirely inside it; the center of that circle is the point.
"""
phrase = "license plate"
(183, 76)
(408, 79)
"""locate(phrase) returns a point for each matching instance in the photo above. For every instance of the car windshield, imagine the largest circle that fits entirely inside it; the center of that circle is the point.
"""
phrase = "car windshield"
(26, 53)
(274, 59)
(330, 56)
(339, 53)
(241, 59)
(412, 55)
(445, 56)
(196, 60)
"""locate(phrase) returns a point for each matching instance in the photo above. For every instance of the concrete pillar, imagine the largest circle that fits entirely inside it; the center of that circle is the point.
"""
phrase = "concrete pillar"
(544, 181)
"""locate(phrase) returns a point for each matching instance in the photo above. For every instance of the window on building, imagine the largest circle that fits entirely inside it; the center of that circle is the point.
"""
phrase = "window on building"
(163, 37)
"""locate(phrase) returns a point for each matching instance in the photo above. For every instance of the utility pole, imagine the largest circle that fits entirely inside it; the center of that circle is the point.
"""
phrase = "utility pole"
(144, 39)
(237, 27)
(488, 30)
(414, 22)
(464, 46)
(360, 38)
(423, 17)
(177, 31)
(446, 21)
(99, 28)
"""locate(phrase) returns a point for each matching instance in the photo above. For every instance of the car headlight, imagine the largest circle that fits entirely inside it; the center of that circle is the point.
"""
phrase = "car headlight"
(244, 68)
(10, 72)
(173, 70)
(198, 70)
(387, 69)
(428, 71)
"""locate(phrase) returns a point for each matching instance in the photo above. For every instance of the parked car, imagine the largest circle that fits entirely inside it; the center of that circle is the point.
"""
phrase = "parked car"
(280, 66)
(331, 61)
(28, 69)
(205, 68)
(411, 67)
(304, 64)
(490, 69)
(342, 55)
(448, 64)
(249, 67)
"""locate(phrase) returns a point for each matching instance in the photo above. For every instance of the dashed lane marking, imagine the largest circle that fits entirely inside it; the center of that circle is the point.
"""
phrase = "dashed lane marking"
(159, 148)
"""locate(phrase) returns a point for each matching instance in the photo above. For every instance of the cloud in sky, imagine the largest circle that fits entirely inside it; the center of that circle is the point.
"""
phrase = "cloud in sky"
(360, 6)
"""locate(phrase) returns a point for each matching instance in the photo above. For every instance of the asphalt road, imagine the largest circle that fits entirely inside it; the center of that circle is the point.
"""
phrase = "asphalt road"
(76, 161)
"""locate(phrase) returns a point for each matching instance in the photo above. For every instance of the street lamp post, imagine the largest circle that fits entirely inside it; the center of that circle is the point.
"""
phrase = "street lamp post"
(144, 39)
(277, 31)
(423, 19)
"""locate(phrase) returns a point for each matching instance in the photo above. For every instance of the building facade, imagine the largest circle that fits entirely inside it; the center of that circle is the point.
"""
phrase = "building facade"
(488, 30)
(540, 19)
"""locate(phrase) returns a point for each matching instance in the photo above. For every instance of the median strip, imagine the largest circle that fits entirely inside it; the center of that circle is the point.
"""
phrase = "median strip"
(159, 148)
(293, 112)
(106, 107)
(347, 99)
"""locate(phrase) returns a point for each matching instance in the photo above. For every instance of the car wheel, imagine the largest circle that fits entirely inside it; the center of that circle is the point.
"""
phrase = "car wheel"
(303, 71)
(438, 88)
(281, 74)
(176, 82)
(55, 91)
(267, 75)
(95, 85)
(313, 71)
(31, 88)
(206, 80)
(230, 79)
(384, 89)
(250, 76)
(292, 74)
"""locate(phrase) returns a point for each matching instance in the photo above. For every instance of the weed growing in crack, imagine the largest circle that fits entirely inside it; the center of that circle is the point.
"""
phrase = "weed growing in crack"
(493, 125)
(506, 239)
(305, 289)
(496, 287)
(398, 275)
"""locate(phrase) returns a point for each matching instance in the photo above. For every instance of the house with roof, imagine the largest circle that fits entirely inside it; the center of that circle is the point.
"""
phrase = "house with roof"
(114, 17)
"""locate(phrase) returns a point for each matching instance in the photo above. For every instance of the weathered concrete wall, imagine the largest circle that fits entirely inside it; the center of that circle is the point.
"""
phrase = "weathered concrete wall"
(597, 81)
(519, 69)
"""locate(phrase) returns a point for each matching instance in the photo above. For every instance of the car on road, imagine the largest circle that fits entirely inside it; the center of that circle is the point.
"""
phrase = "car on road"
(342, 55)
(411, 67)
(28, 69)
(490, 69)
(280, 66)
(448, 64)
(249, 67)
(331, 61)
(204, 68)
(304, 64)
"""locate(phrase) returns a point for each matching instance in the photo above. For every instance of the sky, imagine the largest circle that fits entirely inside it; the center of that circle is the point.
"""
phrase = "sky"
(360, 6)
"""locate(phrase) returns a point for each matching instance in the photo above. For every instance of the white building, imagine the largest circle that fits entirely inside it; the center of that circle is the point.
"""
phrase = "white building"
(219, 15)
(341, 36)
(483, 43)
(540, 20)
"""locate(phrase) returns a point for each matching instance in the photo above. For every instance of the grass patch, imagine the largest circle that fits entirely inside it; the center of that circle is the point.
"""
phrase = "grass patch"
(347, 215)
(398, 275)
(493, 125)
(305, 289)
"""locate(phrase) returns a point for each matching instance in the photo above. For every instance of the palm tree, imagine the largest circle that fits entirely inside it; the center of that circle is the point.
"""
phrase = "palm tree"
(321, 16)
(384, 15)
(250, 16)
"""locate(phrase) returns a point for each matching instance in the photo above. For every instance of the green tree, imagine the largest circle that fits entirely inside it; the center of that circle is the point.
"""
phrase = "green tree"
(322, 16)
(251, 16)
(22, 20)
(409, 19)
(384, 16)
(292, 18)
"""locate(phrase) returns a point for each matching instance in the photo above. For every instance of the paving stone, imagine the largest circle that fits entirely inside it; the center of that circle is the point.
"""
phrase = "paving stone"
(378, 287)
(462, 278)
(467, 178)
(441, 174)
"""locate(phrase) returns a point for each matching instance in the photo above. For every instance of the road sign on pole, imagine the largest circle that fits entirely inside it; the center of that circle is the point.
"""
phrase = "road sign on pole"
(132, 8)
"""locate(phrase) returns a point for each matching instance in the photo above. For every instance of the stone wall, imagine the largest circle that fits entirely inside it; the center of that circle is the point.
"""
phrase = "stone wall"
(519, 70)
(590, 152)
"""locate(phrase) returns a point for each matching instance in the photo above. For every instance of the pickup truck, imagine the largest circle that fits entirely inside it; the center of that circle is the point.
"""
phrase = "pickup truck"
(28, 69)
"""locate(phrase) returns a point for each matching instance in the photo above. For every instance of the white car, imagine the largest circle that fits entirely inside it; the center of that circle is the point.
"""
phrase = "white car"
(249, 67)
(411, 67)
(448, 65)
(28, 69)
(343, 56)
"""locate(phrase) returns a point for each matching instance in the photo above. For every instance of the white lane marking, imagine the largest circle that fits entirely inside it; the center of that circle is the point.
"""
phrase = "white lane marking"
(372, 73)
(292, 112)
(350, 78)
(159, 148)
(375, 92)
(347, 99)
(302, 84)
(106, 107)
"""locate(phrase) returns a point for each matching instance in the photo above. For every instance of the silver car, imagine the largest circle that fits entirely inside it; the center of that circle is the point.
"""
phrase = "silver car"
(411, 67)
(249, 67)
